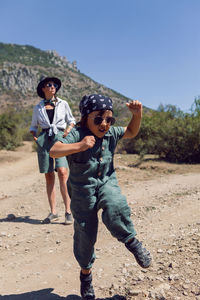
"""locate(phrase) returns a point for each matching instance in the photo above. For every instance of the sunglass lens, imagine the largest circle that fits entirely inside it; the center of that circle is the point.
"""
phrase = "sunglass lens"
(111, 120)
(52, 84)
(98, 120)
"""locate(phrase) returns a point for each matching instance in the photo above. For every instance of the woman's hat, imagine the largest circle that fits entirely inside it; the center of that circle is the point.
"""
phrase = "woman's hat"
(45, 80)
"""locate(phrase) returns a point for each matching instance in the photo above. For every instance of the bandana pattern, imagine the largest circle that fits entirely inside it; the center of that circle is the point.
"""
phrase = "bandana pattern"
(94, 102)
(51, 102)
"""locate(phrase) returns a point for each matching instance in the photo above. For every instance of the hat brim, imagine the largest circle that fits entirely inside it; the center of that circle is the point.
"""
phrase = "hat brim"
(43, 82)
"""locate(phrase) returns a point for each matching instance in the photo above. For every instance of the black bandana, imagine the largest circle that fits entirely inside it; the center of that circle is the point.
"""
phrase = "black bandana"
(94, 102)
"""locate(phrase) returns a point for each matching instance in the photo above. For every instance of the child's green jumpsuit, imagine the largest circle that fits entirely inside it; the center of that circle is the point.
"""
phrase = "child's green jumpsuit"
(92, 186)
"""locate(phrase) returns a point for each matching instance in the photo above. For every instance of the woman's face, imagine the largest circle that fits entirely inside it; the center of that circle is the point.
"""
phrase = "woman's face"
(49, 90)
(101, 129)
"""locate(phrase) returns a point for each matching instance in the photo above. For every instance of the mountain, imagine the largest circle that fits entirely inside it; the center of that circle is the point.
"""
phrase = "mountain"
(21, 68)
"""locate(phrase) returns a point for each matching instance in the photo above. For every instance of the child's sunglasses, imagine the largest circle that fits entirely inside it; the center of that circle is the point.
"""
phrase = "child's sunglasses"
(98, 120)
(52, 84)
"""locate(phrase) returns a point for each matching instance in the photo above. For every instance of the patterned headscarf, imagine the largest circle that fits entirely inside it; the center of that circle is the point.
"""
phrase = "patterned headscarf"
(94, 102)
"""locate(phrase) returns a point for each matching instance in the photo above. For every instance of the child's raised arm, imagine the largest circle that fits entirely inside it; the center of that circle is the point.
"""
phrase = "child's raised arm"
(59, 149)
(134, 125)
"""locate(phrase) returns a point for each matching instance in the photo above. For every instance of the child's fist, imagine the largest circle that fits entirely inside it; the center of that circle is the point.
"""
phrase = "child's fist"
(135, 107)
(87, 142)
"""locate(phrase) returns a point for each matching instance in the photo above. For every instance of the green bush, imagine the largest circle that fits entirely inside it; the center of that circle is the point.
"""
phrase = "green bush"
(10, 136)
(170, 134)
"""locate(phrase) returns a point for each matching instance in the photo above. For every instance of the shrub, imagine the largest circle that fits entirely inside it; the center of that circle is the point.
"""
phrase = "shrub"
(10, 136)
(169, 133)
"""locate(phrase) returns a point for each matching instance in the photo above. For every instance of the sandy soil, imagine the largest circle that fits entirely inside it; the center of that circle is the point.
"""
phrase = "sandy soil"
(37, 262)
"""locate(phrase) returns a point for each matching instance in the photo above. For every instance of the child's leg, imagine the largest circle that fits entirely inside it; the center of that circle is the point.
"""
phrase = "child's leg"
(116, 212)
(116, 217)
(85, 233)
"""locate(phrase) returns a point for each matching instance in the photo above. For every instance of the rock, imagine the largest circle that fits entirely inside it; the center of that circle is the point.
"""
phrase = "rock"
(11, 217)
(185, 293)
(3, 234)
(159, 251)
(134, 292)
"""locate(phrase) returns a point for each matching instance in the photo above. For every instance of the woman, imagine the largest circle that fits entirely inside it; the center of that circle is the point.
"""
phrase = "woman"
(55, 118)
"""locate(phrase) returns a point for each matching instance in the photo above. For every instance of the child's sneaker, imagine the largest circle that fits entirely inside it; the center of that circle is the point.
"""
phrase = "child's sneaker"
(87, 291)
(142, 256)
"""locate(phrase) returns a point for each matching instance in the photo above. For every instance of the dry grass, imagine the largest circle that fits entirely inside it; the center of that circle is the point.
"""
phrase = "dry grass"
(131, 167)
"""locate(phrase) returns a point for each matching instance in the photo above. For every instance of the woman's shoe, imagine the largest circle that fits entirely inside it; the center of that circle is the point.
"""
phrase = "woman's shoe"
(51, 217)
(68, 219)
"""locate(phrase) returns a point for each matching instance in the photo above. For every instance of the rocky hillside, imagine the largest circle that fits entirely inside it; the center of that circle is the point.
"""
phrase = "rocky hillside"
(21, 68)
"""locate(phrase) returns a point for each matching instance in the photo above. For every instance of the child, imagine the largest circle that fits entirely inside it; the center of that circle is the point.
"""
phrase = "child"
(93, 184)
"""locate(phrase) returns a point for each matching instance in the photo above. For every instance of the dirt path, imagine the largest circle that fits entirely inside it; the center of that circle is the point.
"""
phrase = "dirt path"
(36, 261)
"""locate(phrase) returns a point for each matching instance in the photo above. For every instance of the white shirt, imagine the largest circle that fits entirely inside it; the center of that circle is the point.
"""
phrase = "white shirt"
(62, 117)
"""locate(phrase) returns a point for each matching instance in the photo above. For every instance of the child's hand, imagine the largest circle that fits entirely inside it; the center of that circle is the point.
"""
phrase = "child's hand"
(87, 142)
(135, 107)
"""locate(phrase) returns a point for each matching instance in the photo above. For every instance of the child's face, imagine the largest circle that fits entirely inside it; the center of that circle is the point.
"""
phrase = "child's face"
(101, 129)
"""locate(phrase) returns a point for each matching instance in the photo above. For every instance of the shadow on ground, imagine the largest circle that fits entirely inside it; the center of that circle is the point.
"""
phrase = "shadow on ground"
(22, 219)
(46, 294)
(25, 219)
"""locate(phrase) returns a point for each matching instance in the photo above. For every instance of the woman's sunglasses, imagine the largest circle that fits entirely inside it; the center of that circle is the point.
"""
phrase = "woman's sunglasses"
(98, 120)
(52, 84)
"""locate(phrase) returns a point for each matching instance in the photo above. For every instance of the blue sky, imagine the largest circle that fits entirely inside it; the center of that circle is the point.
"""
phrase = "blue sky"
(144, 49)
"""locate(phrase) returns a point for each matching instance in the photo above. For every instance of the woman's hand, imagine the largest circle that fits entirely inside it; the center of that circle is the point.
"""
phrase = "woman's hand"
(67, 131)
(34, 135)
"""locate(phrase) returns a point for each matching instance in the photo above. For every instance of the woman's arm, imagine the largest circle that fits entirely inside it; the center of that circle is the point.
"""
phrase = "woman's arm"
(34, 135)
(68, 129)
(34, 123)
(59, 149)
(134, 125)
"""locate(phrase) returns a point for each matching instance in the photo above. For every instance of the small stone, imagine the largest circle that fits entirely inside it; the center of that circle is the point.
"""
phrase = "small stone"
(186, 287)
(115, 286)
(11, 217)
(185, 293)
(144, 271)
(159, 251)
(2, 234)
(135, 292)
